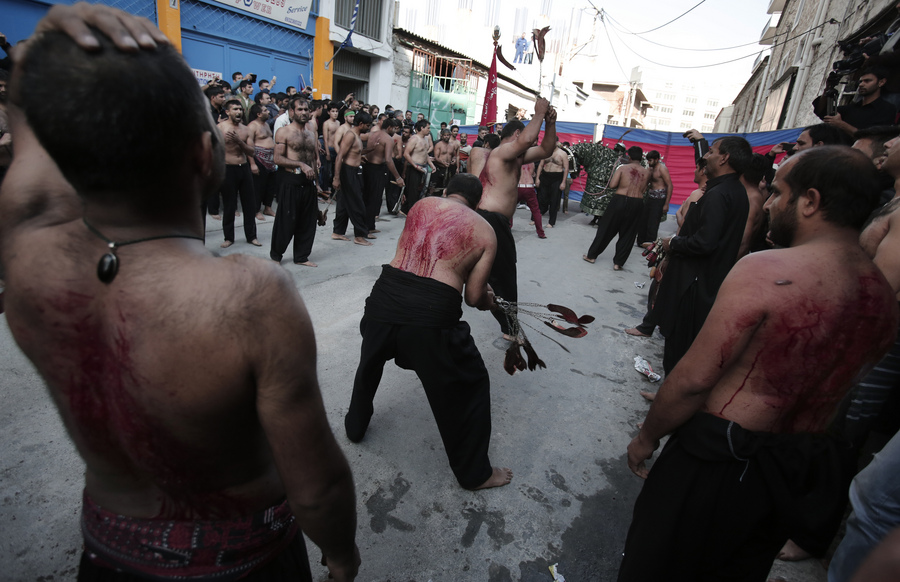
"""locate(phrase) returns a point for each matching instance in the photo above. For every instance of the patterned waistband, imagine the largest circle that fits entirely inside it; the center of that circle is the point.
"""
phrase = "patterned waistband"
(199, 550)
(266, 157)
(657, 194)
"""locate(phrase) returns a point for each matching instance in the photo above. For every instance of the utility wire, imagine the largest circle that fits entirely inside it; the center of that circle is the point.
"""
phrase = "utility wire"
(712, 64)
(671, 21)
(613, 23)
(613, 48)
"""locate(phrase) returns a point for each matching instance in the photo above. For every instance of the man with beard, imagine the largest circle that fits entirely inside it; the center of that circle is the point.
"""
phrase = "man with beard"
(238, 177)
(871, 110)
(295, 155)
(749, 464)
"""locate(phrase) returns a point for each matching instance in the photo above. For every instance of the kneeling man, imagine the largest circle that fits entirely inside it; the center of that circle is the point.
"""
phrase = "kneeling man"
(413, 317)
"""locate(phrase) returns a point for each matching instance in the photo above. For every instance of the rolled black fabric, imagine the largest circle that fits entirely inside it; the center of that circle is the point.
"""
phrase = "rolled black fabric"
(435, 304)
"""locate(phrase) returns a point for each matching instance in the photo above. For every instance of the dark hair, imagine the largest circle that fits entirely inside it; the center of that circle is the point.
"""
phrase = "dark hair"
(362, 118)
(334, 105)
(879, 134)
(757, 169)
(420, 124)
(255, 110)
(235, 74)
(456, 126)
(280, 96)
(210, 92)
(445, 130)
(244, 83)
(224, 84)
(846, 179)
(635, 153)
(511, 128)
(106, 93)
(466, 185)
(382, 116)
(443, 124)
(701, 163)
(827, 134)
(288, 88)
(877, 70)
(231, 102)
(491, 139)
(653, 155)
(484, 127)
(258, 97)
(296, 98)
(408, 111)
(261, 81)
(738, 150)
(393, 122)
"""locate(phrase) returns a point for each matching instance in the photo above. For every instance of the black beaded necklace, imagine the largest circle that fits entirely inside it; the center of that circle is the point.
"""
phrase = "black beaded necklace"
(108, 266)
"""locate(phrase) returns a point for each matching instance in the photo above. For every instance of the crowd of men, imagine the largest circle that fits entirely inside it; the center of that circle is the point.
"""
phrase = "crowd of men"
(762, 401)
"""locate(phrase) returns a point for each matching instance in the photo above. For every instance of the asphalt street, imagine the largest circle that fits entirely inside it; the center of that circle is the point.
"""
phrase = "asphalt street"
(562, 430)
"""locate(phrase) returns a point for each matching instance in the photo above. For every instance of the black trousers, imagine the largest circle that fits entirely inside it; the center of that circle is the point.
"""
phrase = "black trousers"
(414, 180)
(326, 168)
(295, 217)
(620, 218)
(503, 277)
(455, 380)
(648, 223)
(392, 191)
(291, 565)
(264, 185)
(351, 205)
(549, 194)
(374, 180)
(439, 179)
(239, 182)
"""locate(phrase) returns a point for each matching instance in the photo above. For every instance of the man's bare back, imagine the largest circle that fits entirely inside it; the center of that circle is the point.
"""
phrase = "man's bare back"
(630, 180)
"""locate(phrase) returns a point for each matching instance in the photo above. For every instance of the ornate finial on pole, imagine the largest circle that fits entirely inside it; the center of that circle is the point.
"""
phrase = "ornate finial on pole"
(496, 35)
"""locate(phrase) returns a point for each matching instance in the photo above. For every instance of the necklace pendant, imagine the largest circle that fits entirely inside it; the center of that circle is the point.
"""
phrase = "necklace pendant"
(107, 268)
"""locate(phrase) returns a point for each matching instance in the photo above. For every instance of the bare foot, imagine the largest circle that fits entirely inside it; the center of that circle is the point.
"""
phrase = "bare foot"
(617, 268)
(640, 425)
(216, 216)
(226, 244)
(498, 478)
(371, 236)
(361, 241)
(374, 230)
(651, 396)
(255, 242)
(259, 216)
(508, 337)
(335, 236)
(549, 226)
(635, 332)
(791, 552)
(531, 223)
(307, 264)
(268, 211)
(585, 257)
(236, 213)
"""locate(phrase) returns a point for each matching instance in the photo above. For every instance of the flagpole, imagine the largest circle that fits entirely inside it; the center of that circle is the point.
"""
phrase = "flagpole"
(490, 94)
(347, 41)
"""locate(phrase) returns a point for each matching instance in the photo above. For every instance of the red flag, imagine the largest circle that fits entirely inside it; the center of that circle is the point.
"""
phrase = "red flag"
(489, 112)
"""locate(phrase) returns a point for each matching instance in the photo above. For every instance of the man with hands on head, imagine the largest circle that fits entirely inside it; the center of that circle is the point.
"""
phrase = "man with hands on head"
(174, 440)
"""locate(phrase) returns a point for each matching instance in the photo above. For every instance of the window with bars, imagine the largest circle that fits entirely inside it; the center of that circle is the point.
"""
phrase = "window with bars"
(368, 21)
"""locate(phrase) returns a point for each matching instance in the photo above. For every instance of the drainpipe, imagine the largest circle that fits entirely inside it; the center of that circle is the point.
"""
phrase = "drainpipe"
(805, 61)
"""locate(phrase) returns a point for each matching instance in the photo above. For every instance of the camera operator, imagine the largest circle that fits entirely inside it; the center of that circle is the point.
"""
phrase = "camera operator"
(871, 110)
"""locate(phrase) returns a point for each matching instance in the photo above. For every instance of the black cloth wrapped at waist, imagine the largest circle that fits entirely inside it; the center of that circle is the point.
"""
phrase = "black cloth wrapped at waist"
(164, 549)
(402, 298)
(807, 474)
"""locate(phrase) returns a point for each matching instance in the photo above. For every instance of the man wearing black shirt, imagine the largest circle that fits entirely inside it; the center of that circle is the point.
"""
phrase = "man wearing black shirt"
(705, 249)
(872, 110)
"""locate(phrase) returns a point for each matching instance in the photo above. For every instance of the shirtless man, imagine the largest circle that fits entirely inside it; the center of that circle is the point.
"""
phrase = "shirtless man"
(379, 161)
(349, 117)
(499, 171)
(238, 177)
(262, 163)
(417, 163)
(551, 183)
(621, 217)
(443, 159)
(348, 178)
(195, 423)
(329, 128)
(295, 155)
(754, 181)
(749, 464)
(413, 316)
(659, 195)
(394, 188)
